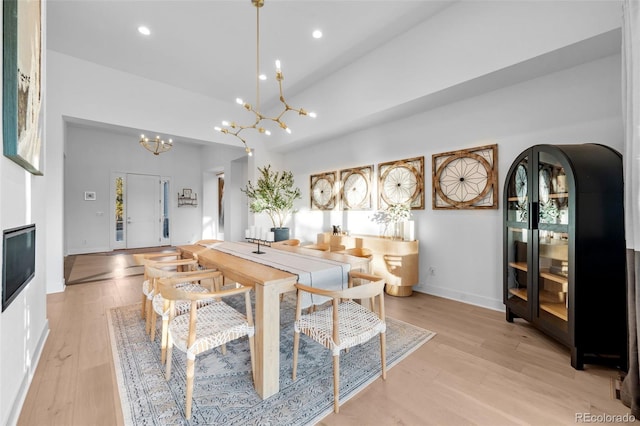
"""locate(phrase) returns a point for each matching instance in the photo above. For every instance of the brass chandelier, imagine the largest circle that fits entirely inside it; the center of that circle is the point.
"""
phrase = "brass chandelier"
(156, 145)
(235, 129)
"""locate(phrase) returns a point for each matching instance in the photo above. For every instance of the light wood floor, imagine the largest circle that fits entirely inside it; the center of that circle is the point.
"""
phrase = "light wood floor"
(479, 369)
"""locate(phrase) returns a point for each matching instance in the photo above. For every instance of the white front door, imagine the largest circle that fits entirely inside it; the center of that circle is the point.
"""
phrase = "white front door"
(143, 201)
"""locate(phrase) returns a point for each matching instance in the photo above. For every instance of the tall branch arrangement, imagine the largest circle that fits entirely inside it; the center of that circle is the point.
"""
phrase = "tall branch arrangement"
(273, 194)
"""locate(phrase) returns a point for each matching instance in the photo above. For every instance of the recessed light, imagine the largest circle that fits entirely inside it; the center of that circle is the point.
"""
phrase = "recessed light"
(317, 34)
(144, 30)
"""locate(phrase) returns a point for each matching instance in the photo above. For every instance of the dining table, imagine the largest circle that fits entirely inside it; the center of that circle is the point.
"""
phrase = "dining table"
(269, 281)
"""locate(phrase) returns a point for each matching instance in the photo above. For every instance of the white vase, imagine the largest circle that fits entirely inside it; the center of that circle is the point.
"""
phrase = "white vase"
(408, 229)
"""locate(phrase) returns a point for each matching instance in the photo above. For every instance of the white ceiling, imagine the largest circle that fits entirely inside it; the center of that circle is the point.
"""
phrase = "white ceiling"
(209, 46)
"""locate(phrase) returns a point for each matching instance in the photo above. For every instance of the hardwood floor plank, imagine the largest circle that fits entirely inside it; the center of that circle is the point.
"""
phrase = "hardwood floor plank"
(94, 400)
(478, 370)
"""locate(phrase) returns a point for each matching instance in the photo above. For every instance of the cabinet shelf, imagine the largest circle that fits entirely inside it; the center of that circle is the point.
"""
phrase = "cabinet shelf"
(544, 273)
(559, 195)
(519, 292)
(556, 309)
(519, 265)
(547, 304)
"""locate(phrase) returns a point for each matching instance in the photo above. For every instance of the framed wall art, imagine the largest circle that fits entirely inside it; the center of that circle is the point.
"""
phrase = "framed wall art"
(322, 191)
(466, 179)
(21, 84)
(355, 188)
(401, 182)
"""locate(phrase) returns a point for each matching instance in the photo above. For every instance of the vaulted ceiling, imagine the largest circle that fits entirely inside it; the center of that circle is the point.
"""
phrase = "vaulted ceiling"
(209, 46)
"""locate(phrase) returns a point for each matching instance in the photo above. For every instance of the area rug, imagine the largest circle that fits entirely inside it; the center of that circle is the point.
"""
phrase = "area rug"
(223, 389)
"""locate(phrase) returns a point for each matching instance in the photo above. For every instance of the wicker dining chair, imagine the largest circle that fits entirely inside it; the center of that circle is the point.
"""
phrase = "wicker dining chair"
(361, 252)
(198, 281)
(343, 324)
(204, 328)
(178, 265)
(140, 259)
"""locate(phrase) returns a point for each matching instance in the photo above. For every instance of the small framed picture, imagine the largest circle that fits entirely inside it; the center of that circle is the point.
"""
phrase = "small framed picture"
(186, 192)
(89, 196)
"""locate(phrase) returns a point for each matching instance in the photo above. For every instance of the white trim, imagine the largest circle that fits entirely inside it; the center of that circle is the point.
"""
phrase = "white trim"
(23, 389)
(459, 296)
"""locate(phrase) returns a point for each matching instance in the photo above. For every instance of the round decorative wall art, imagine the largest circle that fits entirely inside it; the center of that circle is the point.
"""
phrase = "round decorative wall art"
(401, 182)
(355, 192)
(466, 179)
(322, 191)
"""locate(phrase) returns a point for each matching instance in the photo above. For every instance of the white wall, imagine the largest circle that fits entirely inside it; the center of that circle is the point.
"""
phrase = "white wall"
(578, 105)
(233, 162)
(93, 154)
(23, 325)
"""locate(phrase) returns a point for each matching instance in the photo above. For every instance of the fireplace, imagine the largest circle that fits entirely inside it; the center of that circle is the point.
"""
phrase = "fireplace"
(18, 261)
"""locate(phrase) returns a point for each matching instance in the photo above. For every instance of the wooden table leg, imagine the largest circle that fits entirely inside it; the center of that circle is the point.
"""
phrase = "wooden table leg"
(267, 340)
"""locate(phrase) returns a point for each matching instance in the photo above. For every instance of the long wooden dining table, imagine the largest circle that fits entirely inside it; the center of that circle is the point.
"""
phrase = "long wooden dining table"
(268, 283)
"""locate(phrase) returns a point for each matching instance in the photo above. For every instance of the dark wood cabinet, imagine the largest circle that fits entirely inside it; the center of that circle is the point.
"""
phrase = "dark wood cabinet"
(564, 248)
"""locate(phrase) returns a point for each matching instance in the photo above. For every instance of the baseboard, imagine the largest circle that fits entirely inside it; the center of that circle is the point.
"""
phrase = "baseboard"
(459, 296)
(88, 250)
(16, 408)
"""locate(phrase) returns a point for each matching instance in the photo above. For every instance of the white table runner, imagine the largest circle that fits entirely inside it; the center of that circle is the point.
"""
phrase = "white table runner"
(312, 271)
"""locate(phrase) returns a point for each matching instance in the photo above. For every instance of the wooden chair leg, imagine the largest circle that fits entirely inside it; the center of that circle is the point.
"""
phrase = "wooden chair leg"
(191, 368)
(163, 339)
(296, 345)
(148, 315)
(383, 355)
(167, 370)
(336, 383)
(154, 320)
(143, 306)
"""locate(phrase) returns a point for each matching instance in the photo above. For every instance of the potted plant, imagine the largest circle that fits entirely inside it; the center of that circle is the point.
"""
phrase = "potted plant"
(273, 193)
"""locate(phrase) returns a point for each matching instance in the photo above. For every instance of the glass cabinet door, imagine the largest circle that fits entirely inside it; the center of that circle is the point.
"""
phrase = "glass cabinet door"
(553, 242)
(517, 271)
(517, 293)
(518, 196)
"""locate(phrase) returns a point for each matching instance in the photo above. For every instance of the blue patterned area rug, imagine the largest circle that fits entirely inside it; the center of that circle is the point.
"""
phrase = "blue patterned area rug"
(223, 389)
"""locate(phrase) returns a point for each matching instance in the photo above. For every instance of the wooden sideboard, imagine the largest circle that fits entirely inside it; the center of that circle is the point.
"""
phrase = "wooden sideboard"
(395, 260)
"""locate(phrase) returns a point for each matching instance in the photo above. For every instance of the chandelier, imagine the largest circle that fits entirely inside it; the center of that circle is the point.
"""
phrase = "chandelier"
(235, 129)
(156, 145)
